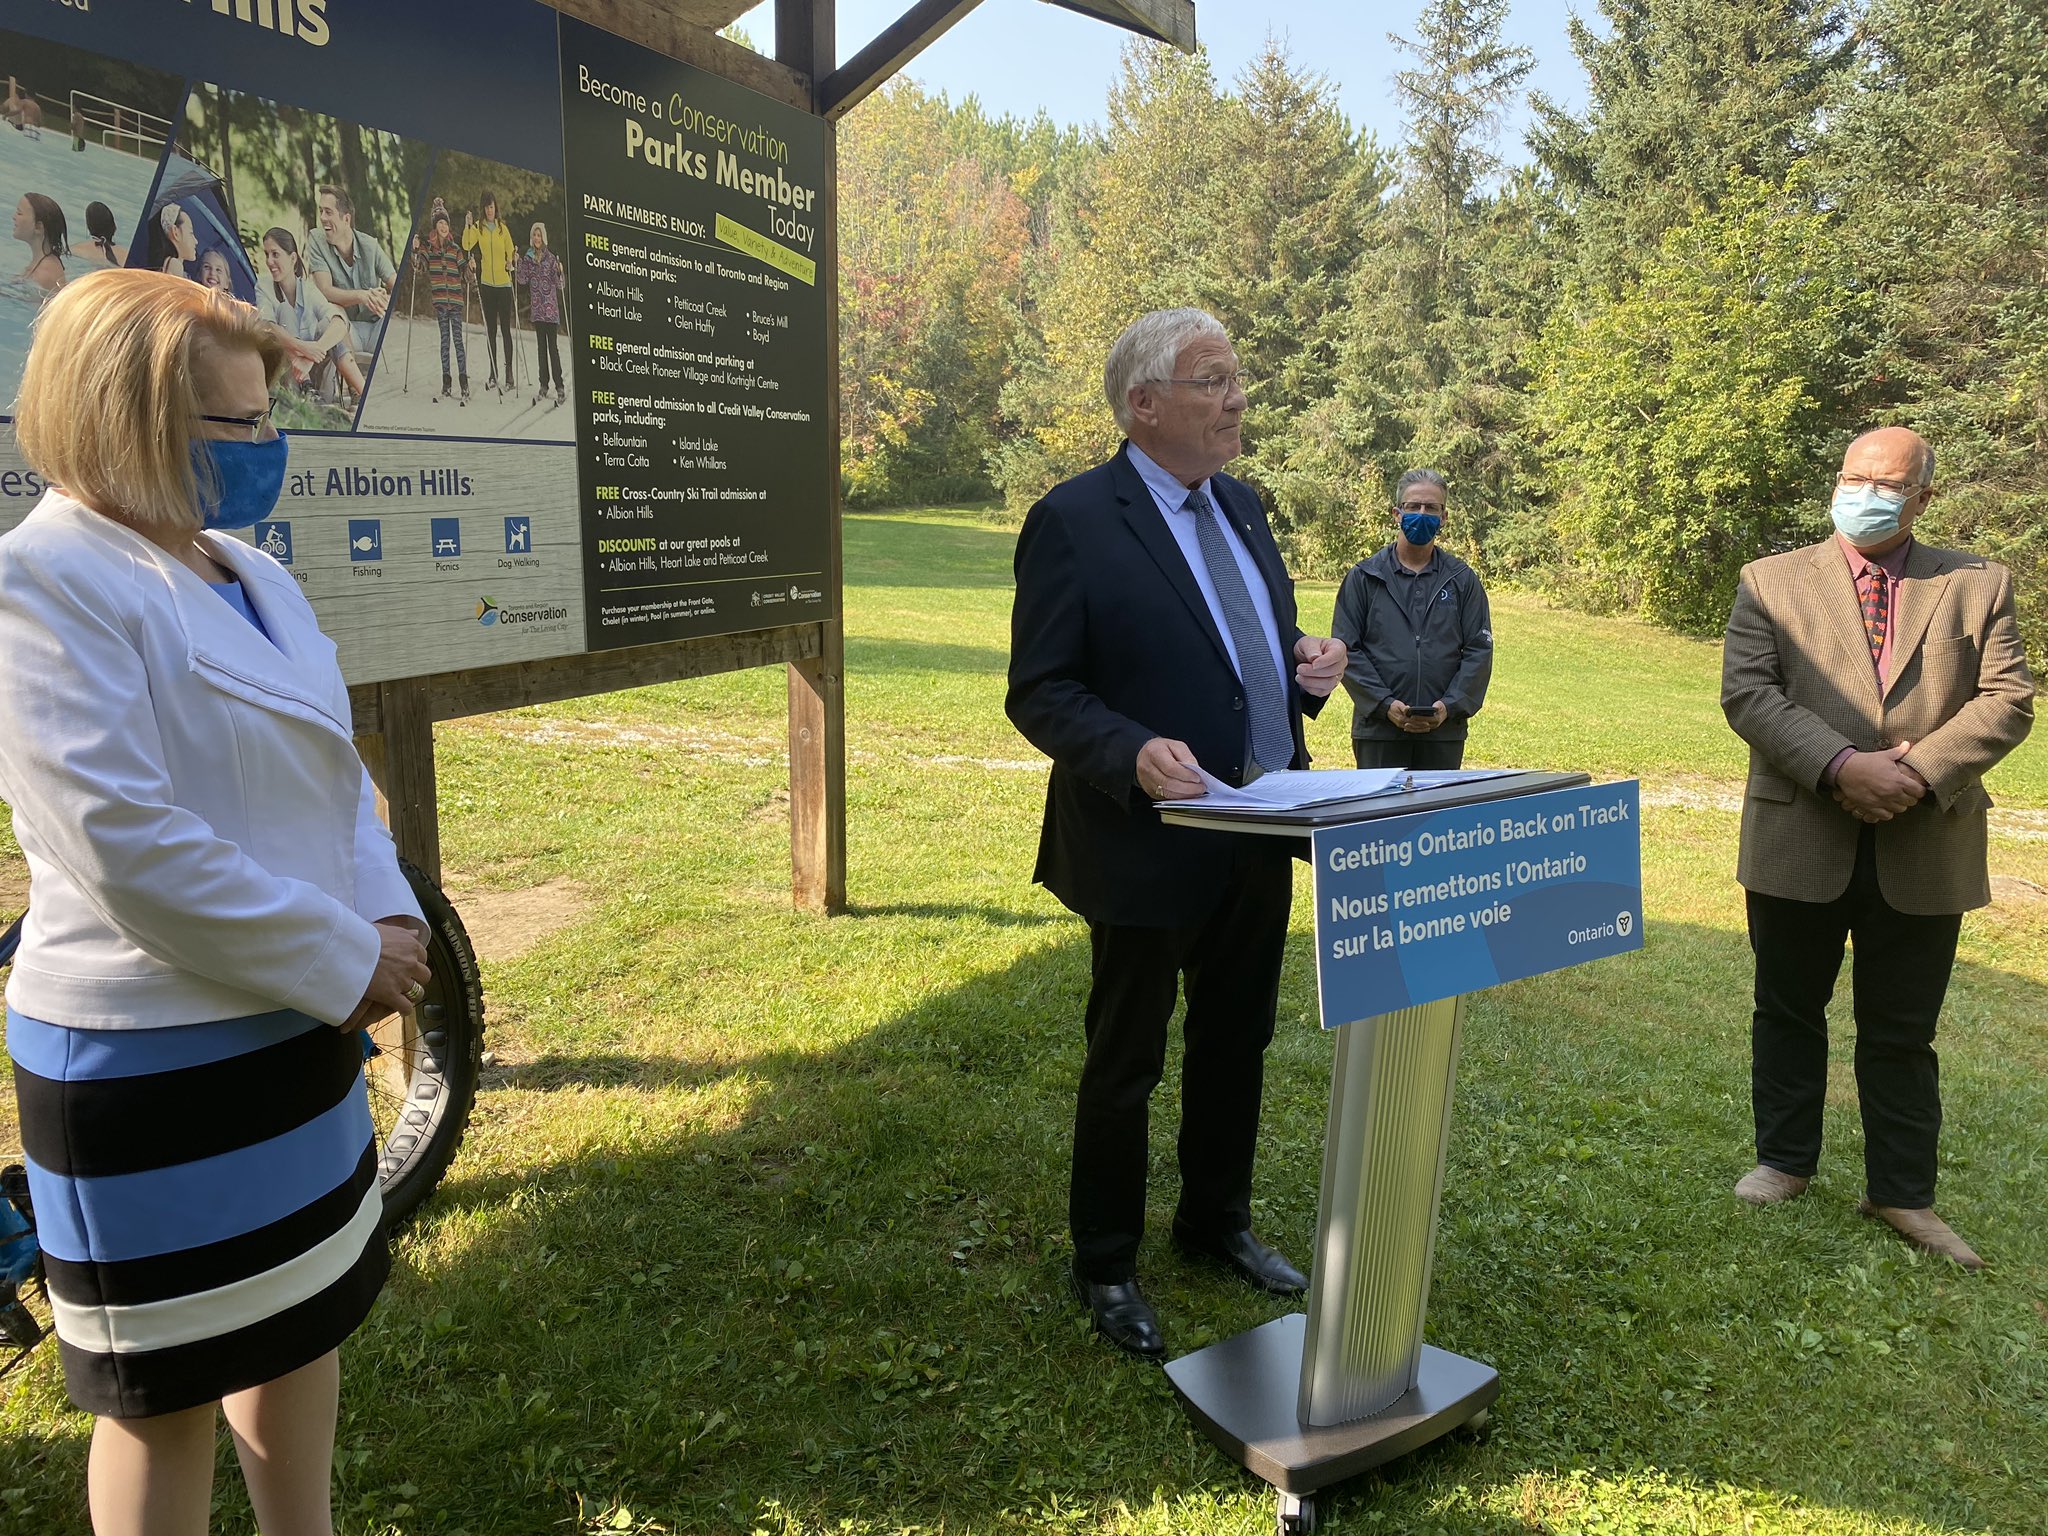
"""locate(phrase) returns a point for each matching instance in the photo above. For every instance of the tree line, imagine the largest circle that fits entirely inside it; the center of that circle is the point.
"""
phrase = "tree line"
(1636, 357)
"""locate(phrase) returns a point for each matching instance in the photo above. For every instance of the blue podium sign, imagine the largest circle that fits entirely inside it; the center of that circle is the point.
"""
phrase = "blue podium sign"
(1411, 909)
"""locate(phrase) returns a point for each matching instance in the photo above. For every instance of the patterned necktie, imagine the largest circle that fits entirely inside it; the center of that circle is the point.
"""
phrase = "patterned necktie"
(1877, 608)
(1265, 696)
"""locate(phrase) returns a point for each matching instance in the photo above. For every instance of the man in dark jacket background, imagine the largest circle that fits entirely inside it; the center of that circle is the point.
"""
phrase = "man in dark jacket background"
(1416, 622)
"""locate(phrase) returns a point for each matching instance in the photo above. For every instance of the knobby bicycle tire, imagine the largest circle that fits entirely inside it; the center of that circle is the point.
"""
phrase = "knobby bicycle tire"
(423, 1072)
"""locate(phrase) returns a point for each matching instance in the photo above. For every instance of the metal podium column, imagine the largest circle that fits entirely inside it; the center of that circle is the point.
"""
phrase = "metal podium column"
(1383, 1175)
(1309, 1400)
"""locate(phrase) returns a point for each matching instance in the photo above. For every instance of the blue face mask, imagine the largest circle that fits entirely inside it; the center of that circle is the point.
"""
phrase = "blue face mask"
(1420, 528)
(248, 476)
(1866, 516)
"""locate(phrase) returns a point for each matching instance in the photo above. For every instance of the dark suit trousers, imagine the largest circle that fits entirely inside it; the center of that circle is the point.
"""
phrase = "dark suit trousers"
(1231, 961)
(1417, 751)
(1901, 971)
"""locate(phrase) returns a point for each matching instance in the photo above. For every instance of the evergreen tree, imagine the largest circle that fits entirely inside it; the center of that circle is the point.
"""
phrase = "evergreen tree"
(1695, 419)
(1304, 197)
(1684, 94)
(1434, 359)
(1938, 156)
(1136, 237)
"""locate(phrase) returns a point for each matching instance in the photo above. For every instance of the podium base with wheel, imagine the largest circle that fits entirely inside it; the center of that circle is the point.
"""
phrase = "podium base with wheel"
(1245, 1393)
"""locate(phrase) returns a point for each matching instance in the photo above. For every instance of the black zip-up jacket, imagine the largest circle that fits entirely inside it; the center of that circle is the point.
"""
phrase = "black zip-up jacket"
(1451, 658)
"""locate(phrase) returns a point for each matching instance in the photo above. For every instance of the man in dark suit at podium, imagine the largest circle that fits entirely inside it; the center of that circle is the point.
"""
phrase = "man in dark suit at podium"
(1154, 630)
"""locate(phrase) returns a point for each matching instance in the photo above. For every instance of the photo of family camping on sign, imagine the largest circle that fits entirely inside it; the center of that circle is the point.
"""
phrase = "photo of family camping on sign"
(80, 138)
(475, 346)
(301, 215)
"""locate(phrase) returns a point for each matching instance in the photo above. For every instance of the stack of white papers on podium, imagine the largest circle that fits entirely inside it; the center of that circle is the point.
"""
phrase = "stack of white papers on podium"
(1297, 789)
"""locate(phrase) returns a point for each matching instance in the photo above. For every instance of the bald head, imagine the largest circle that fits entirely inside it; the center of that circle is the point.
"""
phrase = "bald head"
(1896, 463)
(1904, 454)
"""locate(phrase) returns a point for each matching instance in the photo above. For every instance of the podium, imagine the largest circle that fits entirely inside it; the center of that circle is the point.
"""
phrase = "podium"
(1319, 1396)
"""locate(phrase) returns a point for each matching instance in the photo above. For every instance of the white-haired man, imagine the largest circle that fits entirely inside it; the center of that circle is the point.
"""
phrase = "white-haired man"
(1154, 630)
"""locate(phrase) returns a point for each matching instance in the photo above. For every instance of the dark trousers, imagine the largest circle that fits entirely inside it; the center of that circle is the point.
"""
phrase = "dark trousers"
(498, 318)
(1430, 751)
(449, 317)
(1901, 970)
(1231, 962)
(550, 355)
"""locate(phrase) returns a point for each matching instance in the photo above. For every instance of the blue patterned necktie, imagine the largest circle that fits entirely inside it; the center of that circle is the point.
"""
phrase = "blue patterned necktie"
(1265, 696)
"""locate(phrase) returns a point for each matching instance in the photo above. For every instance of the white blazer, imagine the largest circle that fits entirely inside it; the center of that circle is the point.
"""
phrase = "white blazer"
(202, 840)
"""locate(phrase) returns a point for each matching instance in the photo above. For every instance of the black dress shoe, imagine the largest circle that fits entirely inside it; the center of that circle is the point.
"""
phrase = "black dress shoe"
(1251, 1260)
(1123, 1316)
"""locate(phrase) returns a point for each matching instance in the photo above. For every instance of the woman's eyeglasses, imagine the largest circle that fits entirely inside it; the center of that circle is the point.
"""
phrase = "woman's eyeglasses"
(256, 425)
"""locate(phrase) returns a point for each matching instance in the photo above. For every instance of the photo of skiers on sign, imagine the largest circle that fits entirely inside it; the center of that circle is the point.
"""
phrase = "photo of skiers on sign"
(475, 343)
(382, 264)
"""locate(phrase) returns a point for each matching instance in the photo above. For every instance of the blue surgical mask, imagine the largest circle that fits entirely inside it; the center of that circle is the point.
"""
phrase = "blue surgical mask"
(1420, 528)
(248, 476)
(1866, 516)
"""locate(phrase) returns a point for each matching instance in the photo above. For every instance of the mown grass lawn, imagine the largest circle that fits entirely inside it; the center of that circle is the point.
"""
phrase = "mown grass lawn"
(760, 1225)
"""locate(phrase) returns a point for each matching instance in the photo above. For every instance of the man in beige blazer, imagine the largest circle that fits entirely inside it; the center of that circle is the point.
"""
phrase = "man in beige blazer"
(1876, 680)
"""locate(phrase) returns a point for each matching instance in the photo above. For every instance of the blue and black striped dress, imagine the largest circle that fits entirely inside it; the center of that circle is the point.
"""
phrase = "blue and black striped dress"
(206, 1199)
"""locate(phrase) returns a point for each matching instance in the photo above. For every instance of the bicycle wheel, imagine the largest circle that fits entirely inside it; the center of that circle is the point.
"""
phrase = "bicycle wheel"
(423, 1070)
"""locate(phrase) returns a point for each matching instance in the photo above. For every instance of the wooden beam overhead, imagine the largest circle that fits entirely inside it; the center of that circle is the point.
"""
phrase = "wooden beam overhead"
(898, 43)
(708, 14)
(656, 24)
(1165, 21)
(807, 39)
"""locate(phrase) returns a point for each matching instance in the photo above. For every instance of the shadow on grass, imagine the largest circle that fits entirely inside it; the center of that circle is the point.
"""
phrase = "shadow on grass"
(847, 1301)
(999, 917)
(811, 1291)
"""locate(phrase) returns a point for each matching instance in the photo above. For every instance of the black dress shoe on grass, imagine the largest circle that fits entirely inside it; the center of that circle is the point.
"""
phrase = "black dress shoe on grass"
(1251, 1260)
(1123, 1316)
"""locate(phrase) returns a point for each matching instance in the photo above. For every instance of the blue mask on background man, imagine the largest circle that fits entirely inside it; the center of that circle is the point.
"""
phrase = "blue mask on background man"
(1420, 528)
(248, 476)
(1866, 515)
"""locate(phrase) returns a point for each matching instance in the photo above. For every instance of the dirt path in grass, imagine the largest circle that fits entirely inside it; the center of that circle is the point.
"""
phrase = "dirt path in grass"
(503, 925)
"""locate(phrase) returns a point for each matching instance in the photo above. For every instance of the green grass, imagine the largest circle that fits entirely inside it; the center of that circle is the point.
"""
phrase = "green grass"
(760, 1226)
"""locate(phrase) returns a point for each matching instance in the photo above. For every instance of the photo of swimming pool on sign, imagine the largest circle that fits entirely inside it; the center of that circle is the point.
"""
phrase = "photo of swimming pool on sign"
(80, 141)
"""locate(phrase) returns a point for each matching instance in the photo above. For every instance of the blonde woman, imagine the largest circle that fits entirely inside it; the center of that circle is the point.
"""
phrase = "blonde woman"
(214, 910)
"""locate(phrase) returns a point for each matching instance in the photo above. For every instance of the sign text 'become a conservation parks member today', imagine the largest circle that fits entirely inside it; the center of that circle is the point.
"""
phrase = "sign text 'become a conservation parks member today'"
(1411, 909)
(555, 303)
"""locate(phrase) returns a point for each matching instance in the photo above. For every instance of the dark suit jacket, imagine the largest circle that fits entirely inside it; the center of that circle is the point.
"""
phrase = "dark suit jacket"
(1111, 644)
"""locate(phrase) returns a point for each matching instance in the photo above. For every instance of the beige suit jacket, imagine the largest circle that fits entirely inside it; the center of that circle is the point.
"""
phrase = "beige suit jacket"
(1797, 684)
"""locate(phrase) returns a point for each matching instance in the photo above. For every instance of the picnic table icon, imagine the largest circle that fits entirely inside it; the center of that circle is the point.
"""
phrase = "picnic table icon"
(446, 546)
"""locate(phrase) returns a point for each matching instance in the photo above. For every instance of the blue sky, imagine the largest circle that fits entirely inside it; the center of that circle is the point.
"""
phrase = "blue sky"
(1020, 55)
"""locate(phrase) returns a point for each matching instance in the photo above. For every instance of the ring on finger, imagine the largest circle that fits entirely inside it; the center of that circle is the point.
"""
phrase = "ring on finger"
(415, 992)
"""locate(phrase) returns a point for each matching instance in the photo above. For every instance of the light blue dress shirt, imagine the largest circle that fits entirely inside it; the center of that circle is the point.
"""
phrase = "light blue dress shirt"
(1170, 494)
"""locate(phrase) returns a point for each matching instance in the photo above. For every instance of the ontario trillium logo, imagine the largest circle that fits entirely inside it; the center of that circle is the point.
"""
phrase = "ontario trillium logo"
(486, 612)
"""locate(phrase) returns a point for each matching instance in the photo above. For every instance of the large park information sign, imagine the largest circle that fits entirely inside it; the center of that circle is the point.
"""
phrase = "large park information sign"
(556, 316)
